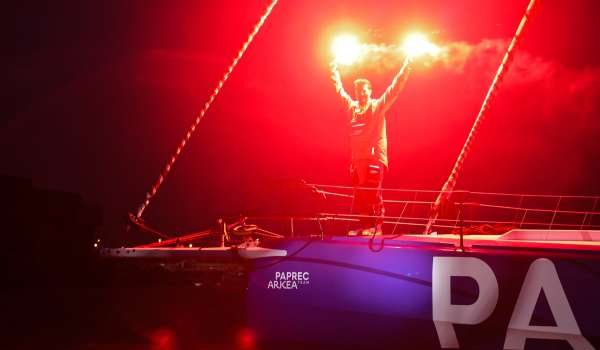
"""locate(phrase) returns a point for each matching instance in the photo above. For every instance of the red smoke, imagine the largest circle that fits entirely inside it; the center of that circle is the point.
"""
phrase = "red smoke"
(545, 117)
(551, 86)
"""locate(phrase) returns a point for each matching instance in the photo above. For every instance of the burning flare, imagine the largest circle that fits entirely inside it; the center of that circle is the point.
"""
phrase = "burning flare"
(346, 49)
(417, 44)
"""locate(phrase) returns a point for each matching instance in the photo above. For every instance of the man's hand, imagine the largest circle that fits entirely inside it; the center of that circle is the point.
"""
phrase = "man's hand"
(335, 73)
(339, 86)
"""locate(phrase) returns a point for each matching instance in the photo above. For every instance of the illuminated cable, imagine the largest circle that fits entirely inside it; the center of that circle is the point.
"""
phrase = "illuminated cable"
(502, 69)
(182, 144)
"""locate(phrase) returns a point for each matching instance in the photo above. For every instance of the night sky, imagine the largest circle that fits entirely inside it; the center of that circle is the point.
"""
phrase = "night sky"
(100, 93)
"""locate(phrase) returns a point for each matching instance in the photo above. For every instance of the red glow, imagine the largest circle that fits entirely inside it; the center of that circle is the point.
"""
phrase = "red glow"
(246, 339)
(162, 339)
(279, 110)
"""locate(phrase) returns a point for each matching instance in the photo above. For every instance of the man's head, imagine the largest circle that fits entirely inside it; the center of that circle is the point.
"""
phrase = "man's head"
(362, 90)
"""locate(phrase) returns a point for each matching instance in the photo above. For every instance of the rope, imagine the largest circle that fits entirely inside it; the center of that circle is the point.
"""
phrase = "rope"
(372, 188)
(398, 221)
(180, 239)
(499, 194)
(478, 204)
(531, 195)
(417, 221)
(554, 211)
(451, 182)
(586, 216)
(343, 195)
(182, 144)
(517, 209)
(335, 194)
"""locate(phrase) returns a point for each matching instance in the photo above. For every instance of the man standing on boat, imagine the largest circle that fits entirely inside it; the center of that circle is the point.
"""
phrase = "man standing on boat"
(368, 143)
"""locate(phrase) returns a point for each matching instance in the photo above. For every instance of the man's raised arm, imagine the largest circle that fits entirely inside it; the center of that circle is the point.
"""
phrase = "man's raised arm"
(391, 93)
(339, 87)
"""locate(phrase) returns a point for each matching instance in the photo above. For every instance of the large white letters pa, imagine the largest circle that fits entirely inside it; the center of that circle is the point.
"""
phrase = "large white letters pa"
(446, 314)
(542, 275)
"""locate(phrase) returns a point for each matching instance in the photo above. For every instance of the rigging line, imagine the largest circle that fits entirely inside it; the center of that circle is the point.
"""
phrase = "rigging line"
(452, 179)
(531, 223)
(388, 220)
(520, 205)
(423, 224)
(410, 202)
(407, 223)
(335, 194)
(184, 141)
(401, 214)
(372, 188)
(539, 210)
(593, 209)
(180, 239)
(351, 208)
(334, 216)
(526, 195)
(402, 221)
(141, 225)
(532, 195)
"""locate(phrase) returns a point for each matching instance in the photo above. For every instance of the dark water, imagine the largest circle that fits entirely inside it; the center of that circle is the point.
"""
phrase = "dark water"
(124, 306)
(116, 310)
(118, 318)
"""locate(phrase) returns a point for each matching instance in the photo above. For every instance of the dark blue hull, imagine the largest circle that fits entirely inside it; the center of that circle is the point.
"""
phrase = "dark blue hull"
(354, 292)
